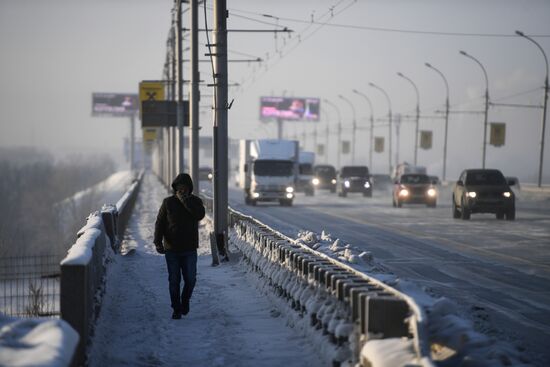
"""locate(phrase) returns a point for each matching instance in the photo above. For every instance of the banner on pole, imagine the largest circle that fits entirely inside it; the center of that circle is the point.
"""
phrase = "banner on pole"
(378, 144)
(426, 139)
(498, 134)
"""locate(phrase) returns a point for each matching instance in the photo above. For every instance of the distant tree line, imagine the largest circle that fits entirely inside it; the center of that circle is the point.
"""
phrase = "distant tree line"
(31, 183)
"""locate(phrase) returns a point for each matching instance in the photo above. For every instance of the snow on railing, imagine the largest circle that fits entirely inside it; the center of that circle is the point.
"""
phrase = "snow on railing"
(83, 269)
(353, 311)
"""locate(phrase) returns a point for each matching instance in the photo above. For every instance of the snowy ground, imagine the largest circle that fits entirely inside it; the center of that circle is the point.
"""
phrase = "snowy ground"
(497, 272)
(230, 323)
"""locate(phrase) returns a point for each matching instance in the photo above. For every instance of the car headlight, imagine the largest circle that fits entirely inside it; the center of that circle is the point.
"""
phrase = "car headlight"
(315, 181)
(431, 192)
(255, 195)
(471, 194)
(367, 184)
(333, 181)
(346, 183)
(210, 176)
(289, 195)
(404, 192)
(290, 189)
(507, 194)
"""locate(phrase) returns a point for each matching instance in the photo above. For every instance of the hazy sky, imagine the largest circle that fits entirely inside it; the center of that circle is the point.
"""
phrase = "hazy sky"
(55, 54)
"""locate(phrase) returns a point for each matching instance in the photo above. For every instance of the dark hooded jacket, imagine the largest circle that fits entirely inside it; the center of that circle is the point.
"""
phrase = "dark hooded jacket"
(178, 222)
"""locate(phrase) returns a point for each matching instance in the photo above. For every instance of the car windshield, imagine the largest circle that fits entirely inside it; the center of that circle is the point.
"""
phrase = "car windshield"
(485, 178)
(273, 168)
(306, 169)
(415, 179)
(357, 171)
(325, 171)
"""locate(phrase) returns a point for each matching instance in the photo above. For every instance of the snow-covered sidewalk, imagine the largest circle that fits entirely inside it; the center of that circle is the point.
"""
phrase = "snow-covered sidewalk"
(230, 322)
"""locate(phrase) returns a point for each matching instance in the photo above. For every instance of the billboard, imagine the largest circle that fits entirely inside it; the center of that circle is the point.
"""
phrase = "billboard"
(498, 134)
(290, 108)
(425, 139)
(114, 104)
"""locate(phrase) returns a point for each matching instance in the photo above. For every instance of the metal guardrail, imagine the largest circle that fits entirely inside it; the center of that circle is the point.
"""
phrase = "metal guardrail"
(373, 309)
(83, 270)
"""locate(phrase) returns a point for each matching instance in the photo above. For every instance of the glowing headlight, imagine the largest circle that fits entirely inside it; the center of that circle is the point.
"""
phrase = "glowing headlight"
(333, 181)
(367, 184)
(471, 194)
(346, 183)
(290, 189)
(431, 192)
(255, 195)
(289, 195)
(507, 194)
(404, 192)
(210, 176)
(315, 181)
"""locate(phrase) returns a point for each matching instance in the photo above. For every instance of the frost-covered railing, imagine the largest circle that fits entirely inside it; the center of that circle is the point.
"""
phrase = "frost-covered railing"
(83, 269)
(363, 317)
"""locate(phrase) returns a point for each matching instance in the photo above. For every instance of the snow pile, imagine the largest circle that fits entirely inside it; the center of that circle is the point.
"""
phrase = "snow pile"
(344, 252)
(34, 342)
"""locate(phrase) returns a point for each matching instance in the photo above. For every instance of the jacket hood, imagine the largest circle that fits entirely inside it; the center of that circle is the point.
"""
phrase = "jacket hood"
(183, 179)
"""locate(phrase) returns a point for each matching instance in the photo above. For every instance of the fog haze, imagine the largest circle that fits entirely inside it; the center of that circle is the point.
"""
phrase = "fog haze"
(56, 54)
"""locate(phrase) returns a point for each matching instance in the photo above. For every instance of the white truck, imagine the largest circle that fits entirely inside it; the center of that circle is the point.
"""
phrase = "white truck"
(304, 184)
(405, 167)
(268, 170)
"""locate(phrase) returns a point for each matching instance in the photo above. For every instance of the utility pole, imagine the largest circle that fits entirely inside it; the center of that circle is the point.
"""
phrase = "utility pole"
(179, 101)
(221, 107)
(194, 96)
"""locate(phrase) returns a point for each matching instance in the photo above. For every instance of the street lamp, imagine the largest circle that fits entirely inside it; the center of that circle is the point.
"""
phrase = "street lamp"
(325, 112)
(463, 53)
(519, 33)
(371, 125)
(417, 115)
(354, 128)
(446, 118)
(390, 121)
(339, 131)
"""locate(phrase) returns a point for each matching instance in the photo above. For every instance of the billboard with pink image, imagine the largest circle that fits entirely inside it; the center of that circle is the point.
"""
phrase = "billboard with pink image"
(290, 108)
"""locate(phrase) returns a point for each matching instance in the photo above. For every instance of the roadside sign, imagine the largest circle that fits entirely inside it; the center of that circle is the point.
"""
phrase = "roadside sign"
(321, 149)
(162, 113)
(346, 147)
(149, 134)
(150, 91)
(498, 134)
(114, 104)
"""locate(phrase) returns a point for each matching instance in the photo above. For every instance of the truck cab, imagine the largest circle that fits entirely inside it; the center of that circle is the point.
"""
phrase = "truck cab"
(305, 173)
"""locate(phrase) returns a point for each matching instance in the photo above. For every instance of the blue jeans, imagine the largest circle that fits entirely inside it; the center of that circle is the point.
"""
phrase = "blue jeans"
(180, 264)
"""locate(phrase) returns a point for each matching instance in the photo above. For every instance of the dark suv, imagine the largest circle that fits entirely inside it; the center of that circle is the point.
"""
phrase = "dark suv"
(324, 177)
(483, 191)
(354, 179)
(414, 188)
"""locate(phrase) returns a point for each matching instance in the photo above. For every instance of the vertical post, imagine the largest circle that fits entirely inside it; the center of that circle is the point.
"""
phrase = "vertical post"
(543, 127)
(446, 136)
(221, 107)
(485, 126)
(179, 102)
(194, 96)
(279, 128)
(132, 141)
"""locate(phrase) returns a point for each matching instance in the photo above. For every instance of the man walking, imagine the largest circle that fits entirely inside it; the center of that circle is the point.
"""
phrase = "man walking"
(178, 225)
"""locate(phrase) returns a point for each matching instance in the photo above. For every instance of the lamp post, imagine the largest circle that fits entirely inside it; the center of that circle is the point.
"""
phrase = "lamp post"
(327, 135)
(521, 34)
(354, 128)
(417, 116)
(463, 53)
(339, 131)
(390, 122)
(371, 125)
(446, 117)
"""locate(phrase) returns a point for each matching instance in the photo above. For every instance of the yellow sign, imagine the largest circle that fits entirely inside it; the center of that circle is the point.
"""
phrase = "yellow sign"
(149, 135)
(150, 91)
(498, 134)
(425, 139)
